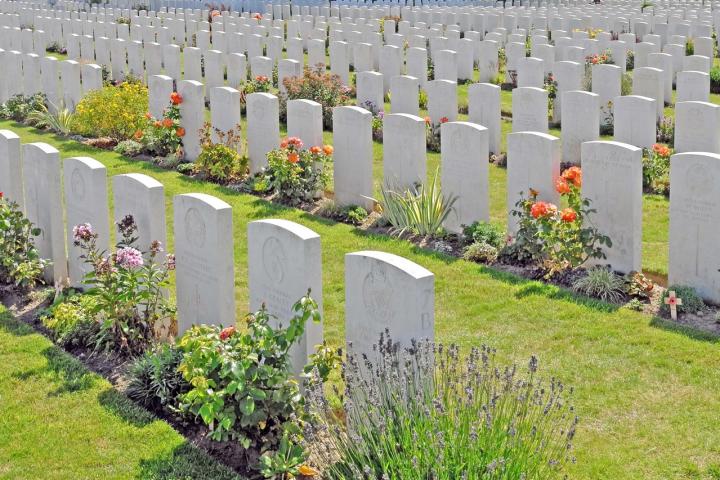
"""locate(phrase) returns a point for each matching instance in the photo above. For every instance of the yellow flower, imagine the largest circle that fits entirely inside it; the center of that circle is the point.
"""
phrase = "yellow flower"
(308, 471)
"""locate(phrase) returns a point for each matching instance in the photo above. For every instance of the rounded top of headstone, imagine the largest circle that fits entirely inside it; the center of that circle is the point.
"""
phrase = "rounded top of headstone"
(300, 231)
(403, 264)
(142, 179)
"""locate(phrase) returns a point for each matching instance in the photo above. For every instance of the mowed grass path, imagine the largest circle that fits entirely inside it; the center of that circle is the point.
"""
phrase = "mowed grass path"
(60, 421)
(646, 392)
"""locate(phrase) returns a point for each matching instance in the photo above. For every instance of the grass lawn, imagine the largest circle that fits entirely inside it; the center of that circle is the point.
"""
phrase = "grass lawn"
(60, 421)
(646, 391)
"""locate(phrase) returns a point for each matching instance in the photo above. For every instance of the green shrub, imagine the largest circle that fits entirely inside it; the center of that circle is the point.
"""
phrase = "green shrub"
(419, 210)
(129, 148)
(69, 316)
(19, 107)
(431, 413)
(689, 47)
(480, 252)
(355, 214)
(600, 282)
(317, 85)
(715, 79)
(115, 112)
(242, 388)
(638, 285)
(626, 82)
(20, 262)
(154, 380)
(630, 60)
(691, 301)
(221, 161)
(484, 232)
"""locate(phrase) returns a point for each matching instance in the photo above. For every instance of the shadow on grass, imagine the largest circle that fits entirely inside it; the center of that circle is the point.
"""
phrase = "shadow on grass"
(68, 372)
(124, 408)
(685, 330)
(187, 462)
(14, 327)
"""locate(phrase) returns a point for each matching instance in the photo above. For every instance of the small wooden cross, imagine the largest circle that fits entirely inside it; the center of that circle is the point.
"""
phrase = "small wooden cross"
(673, 302)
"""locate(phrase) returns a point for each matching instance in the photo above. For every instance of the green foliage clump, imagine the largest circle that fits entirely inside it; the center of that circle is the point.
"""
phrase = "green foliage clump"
(57, 119)
(715, 79)
(355, 214)
(691, 301)
(19, 107)
(601, 283)
(129, 148)
(484, 232)
(480, 252)
(241, 385)
(117, 112)
(20, 261)
(154, 380)
(70, 320)
(656, 169)
(420, 210)
(429, 412)
(221, 160)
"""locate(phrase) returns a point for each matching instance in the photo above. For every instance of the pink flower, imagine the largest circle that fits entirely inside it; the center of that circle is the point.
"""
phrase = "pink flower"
(129, 257)
(82, 232)
(170, 260)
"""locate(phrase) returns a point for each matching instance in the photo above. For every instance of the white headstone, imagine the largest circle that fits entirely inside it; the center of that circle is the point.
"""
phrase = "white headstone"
(263, 128)
(697, 127)
(11, 176)
(204, 278)
(352, 158)
(284, 261)
(404, 154)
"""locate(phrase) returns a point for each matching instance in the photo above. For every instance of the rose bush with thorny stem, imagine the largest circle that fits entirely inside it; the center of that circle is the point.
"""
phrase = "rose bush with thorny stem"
(559, 238)
(163, 137)
(129, 288)
(295, 175)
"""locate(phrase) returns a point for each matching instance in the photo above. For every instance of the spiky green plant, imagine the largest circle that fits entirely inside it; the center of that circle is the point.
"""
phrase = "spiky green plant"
(600, 282)
(58, 118)
(420, 210)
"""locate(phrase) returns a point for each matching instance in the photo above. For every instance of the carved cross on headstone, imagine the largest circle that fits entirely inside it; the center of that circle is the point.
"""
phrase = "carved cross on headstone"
(672, 301)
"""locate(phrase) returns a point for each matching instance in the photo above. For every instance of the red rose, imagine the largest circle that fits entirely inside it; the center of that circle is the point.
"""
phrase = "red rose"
(568, 215)
(226, 333)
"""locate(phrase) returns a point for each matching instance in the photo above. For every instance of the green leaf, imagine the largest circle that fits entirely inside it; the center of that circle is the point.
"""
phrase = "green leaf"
(247, 406)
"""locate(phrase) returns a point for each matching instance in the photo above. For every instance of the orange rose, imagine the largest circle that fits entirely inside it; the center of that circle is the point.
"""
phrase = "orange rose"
(157, 124)
(427, 120)
(293, 157)
(562, 186)
(148, 116)
(315, 150)
(138, 134)
(568, 215)
(180, 132)
(176, 98)
(328, 149)
(284, 143)
(167, 123)
(539, 209)
(573, 175)
(227, 333)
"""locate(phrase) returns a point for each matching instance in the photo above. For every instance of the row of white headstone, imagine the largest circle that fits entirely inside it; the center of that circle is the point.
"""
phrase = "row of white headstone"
(612, 181)
(284, 258)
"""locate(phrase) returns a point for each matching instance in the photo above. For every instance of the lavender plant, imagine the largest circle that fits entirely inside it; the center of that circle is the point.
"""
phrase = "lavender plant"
(429, 413)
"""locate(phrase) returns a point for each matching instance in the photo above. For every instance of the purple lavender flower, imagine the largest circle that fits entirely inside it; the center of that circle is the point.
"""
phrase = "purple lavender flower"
(170, 261)
(129, 257)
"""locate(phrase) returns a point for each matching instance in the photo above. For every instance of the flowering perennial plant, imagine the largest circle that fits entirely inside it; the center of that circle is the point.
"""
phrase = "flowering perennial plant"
(163, 137)
(128, 287)
(295, 175)
(221, 160)
(432, 133)
(317, 85)
(20, 261)
(558, 238)
(117, 112)
(428, 412)
(656, 169)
